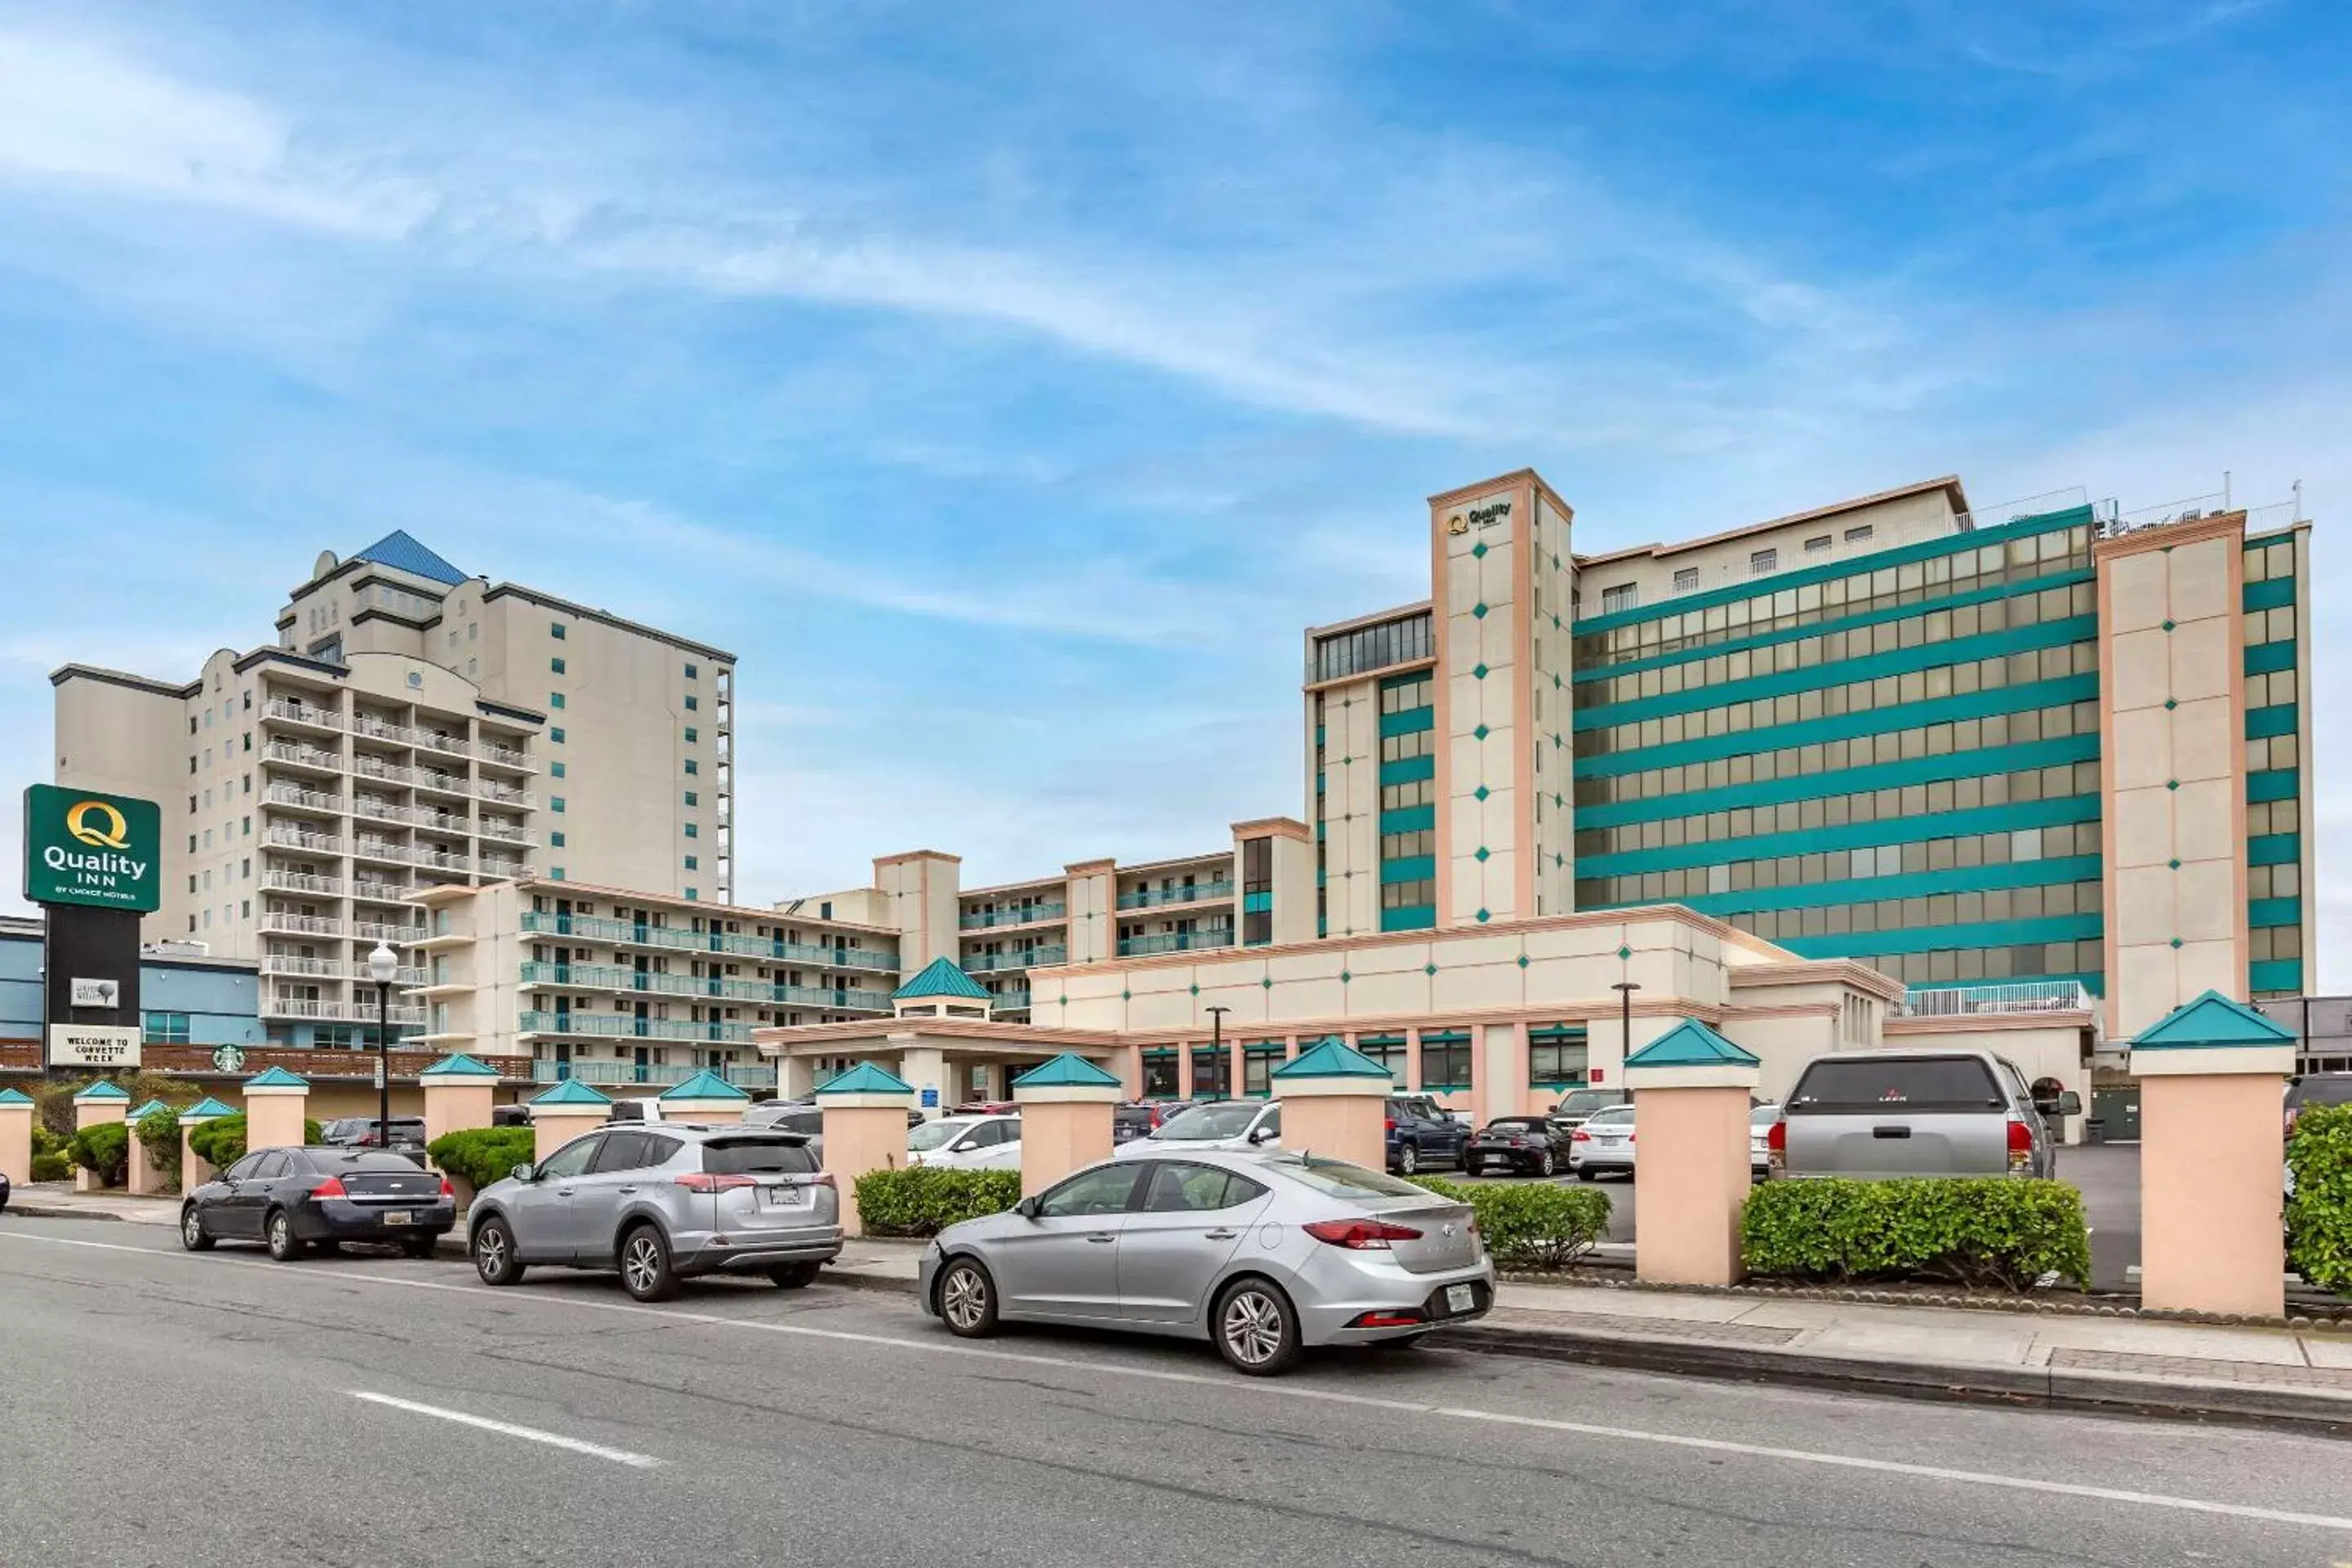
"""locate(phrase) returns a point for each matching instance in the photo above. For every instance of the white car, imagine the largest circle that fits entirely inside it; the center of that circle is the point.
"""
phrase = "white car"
(1604, 1146)
(967, 1144)
(1759, 1135)
(1233, 1126)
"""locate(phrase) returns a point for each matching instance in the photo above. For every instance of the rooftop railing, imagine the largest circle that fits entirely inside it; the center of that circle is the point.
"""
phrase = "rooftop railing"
(1994, 996)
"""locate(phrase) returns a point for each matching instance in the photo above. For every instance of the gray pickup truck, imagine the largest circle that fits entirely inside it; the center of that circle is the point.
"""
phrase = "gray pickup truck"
(1876, 1114)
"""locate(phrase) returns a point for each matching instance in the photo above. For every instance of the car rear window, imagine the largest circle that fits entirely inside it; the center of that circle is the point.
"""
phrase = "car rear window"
(1341, 1180)
(371, 1160)
(1515, 1124)
(1880, 1083)
(2334, 1089)
(756, 1156)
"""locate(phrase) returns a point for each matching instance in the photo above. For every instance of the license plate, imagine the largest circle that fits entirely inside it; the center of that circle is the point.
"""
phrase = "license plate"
(399, 1217)
(1458, 1299)
(784, 1197)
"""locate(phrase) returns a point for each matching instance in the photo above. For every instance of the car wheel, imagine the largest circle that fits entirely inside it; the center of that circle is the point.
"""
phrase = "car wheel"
(1546, 1164)
(1256, 1329)
(968, 1300)
(1409, 1161)
(277, 1231)
(416, 1246)
(192, 1230)
(794, 1276)
(1587, 1174)
(495, 1258)
(644, 1265)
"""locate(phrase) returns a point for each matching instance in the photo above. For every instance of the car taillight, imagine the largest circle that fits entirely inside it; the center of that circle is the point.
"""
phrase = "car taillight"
(2021, 1144)
(707, 1181)
(1388, 1124)
(1775, 1138)
(332, 1187)
(1360, 1234)
(825, 1179)
(1579, 1136)
(446, 1190)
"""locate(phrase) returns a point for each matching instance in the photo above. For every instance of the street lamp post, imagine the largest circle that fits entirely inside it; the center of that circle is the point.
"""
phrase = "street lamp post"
(1217, 1044)
(383, 965)
(1626, 989)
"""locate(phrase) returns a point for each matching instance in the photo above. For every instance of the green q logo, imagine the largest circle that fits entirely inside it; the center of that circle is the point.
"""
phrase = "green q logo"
(97, 824)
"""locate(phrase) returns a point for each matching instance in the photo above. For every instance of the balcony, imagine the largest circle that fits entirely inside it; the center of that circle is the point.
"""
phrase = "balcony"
(1020, 958)
(299, 799)
(396, 933)
(284, 753)
(503, 870)
(678, 939)
(1993, 997)
(501, 794)
(840, 999)
(1175, 941)
(380, 892)
(622, 1026)
(1151, 897)
(286, 836)
(715, 987)
(304, 882)
(1024, 914)
(1011, 1001)
(742, 1075)
(303, 714)
(505, 833)
(300, 925)
(504, 756)
(413, 815)
(335, 1012)
(333, 969)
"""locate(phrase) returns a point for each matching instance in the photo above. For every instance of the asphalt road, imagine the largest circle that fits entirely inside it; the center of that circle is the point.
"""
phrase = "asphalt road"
(164, 1408)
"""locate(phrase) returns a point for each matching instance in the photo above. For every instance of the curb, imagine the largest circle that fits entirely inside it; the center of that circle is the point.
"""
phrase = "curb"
(44, 1211)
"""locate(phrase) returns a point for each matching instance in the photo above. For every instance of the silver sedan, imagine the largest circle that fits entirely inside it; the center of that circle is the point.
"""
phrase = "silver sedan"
(1259, 1253)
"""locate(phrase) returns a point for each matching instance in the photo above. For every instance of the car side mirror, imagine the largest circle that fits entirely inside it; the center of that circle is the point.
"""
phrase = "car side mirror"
(525, 1172)
(1026, 1208)
(1263, 1135)
(2069, 1104)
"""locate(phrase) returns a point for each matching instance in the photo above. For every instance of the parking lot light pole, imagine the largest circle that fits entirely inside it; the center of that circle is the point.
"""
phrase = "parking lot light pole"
(1626, 989)
(1217, 1044)
(383, 965)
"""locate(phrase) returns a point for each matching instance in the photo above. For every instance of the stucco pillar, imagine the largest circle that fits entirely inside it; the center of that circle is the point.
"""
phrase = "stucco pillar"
(2211, 1076)
(570, 1110)
(864, 1129)
(458, 1092)
(276, 1105)
(15, 1137)
(1065, 1116)
(98, 1104)
(796, 1078)
(706, 1096)
(195, 1168)
(1690, 1118)
(141, 1174)
(1334, 1104)
(925, 1070)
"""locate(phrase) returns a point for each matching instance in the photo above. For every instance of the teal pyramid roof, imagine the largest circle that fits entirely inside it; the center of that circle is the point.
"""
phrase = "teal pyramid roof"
(209, 1108)
(141, 1110)
(941, 978)
(101, 1089)
(275, 1078)
(14, 1097)
(1332, 1057)
(2212, 1020)
(1066, 1071)
(460, 1065)
(1691, 1043)
(571, 1091)
(401, 551)
(705, 1085)
(866, 1078)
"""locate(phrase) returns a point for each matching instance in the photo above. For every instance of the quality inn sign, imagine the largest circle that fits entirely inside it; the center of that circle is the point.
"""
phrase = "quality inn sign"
(105, 851)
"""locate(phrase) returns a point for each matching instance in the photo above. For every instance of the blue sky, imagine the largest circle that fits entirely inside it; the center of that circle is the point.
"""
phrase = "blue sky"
(1008, 385)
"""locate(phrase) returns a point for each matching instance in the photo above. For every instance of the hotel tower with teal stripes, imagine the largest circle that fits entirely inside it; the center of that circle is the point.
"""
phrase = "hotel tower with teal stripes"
(2047, 744)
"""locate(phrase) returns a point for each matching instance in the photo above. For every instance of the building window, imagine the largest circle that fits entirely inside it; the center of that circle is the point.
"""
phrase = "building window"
(1764, 560)
(556, 665)
(691, 798)
(690, 735)
(1624, 596)
(1856, 535)
(1259, 1059)
(691, 767)
(555, 802)
(166, 1028)
(693, 893)
(1686, 579)
(692, 831)
(555, 630)
(1388, 1050)
(555, 770)
(692, 864)
(556, 734)
(1556, 1058)
(692, 673)
(1445, 1059)
(1160, 1074)
(555, 839)
(692, 702)
(555, 699)
(1210, 1074)
(1818, 544)
(555, 874)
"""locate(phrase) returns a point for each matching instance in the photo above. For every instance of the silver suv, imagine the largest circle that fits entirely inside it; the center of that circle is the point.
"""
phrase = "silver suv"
(660, 1202)
(1873, 1114)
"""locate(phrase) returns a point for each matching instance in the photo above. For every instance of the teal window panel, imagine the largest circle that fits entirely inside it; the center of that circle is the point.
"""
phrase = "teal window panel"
(2020, 527)
(2270, 594)
(1869, 666)
(1407, 768)
(1408, 721)
(1411, 869)
(2275, 974)
(1257, 903)
(2262, 657)
(1907, 885)
(2274, 911)
(2032, 694)
(1845, 780)
(1925, 939)
(1408, 819)
(2278, 720)
(1411, 917)
(2273, 784)
(1848, 623)
(1390, 682)
(2274, 849)
(1847, 835)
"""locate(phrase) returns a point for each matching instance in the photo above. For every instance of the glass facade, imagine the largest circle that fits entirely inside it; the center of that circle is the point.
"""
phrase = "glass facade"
(1368, 648)
(2274, 891)
(1408, 825)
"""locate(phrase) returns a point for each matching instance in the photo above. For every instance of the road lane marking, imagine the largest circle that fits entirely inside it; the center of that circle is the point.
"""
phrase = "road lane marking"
(509, 1430)
(1276, 1390)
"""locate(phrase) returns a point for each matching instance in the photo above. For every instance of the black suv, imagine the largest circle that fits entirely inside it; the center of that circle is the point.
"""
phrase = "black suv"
(1420, 1135)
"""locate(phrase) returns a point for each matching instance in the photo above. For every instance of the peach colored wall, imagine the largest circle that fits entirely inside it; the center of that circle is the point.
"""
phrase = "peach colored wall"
(97, 1113)
(195, 1168)
(2211, 1196)
(858, 1138)
(17, 1143)
(274, 1121)
(456, 1107)
(1057, 1138)
(550, 1131)
(1691, 1152)
(141, 1174)
(1338, 1126)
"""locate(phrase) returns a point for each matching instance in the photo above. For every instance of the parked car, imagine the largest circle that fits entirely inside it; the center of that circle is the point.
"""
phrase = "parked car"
(1580, 1103)
(1420, 1135)
(967, 1144)
(362, 1132)
(1602, 1145)
(1532, 1145)
(510, 1115)
(4, 1192)
(1140, 1118)
(1760, 1120)
(987, 1107)
(1235, 1125)
(2315, 1088)
(789, 1116)
(292, 1199)
(1876, 1114)
(1260, 1254)
(662, 1204)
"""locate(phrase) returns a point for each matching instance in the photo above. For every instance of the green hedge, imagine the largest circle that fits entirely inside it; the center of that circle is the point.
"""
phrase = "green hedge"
(483, 1154)
(159, 1130)
(51, 1162)
(923, 1200)
(221, 1141)
(1531, 1225)
(2319, 1210)
(1999, 1231)
(104, 1150)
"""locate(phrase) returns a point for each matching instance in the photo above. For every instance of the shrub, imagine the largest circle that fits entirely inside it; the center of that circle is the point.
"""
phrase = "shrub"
(923, 1200)
(220, 1143)
(104, 1150)
(159, 1131)
(481, 1155)
(1531, 1225)
(53, 1100)
(50, 1161)
(1994, 1230)
(2319, 1209)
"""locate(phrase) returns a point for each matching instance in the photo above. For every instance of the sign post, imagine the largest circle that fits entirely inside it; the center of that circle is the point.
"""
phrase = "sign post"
(94, 863)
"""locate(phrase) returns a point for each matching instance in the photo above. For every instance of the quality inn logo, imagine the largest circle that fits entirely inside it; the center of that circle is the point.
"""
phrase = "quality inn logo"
(112, 829)
(84, 847)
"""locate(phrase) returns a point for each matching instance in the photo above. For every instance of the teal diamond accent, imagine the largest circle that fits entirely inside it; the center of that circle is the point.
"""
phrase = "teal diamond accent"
(1555, 683)
(1428, 969)
(1560, 859)
(1479, 670)
(1126, 995)
(1480, 793)
(1624, 952)
(1196, 990)
(2172, 784)
(1345, 977)
(1482, 852)
(1267, 982)
(2174, 863)
(1523, 961)
(1480, 732)
(2168, 625)
(1478, 550)
(1479, 611)
(1483, 917)
(2176, 941)
(2169, 704)
(1557, 800)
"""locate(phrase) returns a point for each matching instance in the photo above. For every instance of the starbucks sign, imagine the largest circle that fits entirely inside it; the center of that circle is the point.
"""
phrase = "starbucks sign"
(104, 852)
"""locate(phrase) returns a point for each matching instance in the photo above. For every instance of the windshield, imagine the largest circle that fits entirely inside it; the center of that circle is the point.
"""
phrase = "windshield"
(1230, 1119)
(749, 1156)
(1515, 1124)
(938, 1134)
(2332, 1088)
(1764, 1116)
(1584, 1102)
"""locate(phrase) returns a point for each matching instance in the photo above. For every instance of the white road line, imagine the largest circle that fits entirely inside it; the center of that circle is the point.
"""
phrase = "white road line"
(508, 1428)
(944, 1346)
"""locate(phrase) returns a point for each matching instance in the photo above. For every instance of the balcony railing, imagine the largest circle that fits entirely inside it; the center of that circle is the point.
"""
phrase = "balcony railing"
(308, 799)
(622, 1026)
(396, 932)
(1024, 914)
(1175, 941)
(617, 977)
(741, 1074)
(507, 870)
(506, 833)
(1151, 898)
(335, 1012)
(302, 714)
(307, 925)
(301, 757)
(283, 837)
(1011, 1001)
(2011, 996)
(1020, 958)
(333, 969)
(678, 939)
(303, 882)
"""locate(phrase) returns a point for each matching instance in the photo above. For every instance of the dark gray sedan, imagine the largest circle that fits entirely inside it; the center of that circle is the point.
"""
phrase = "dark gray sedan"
(1260, 1254)
(290, 1200)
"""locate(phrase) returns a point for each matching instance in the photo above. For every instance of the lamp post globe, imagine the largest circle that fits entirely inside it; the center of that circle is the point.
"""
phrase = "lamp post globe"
(383, 966)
